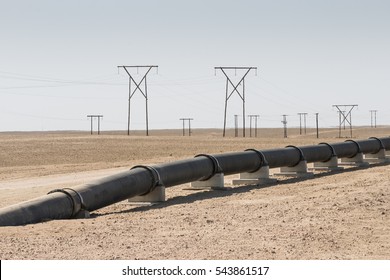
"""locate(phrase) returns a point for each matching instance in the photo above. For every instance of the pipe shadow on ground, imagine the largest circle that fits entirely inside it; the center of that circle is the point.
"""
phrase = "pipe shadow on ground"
(210, 194)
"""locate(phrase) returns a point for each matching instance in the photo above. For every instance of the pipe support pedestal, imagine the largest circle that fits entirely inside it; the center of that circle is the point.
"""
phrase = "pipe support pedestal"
(213, 182)
(355, 161)
(155, 196)
(216, 182)
(331, 165)
(379, 157)
(299, 169)
(156, 192)
(259, 177)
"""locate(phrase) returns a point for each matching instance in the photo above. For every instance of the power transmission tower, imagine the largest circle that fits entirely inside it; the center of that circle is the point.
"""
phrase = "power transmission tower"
(373, 118)
(92, 117)
(189, 125)
(235, 89)
(300, 122)
(317, 125)
(343, 116)
(250, 124)
(284, 122)
(144, 92)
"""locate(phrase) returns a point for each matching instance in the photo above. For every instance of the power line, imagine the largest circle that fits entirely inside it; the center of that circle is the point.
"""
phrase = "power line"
(88, 81)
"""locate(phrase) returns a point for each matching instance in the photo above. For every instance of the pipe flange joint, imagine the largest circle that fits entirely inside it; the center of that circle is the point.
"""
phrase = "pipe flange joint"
(301, 155)
(359, 150)
(333, 152)
(381, 145)
(156, 178)
(75, 198)
(216, 167)
(263, 160)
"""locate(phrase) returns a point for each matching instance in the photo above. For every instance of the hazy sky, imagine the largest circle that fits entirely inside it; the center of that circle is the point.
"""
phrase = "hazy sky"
(58, 61)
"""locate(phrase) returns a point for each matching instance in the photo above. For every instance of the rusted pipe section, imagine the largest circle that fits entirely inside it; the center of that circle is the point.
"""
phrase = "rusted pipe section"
(70, 202)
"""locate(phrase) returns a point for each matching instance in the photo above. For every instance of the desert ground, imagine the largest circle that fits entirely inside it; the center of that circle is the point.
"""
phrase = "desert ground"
(335, 215)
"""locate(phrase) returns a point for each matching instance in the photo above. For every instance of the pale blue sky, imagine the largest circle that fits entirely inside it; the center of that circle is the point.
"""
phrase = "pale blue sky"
(58, 61)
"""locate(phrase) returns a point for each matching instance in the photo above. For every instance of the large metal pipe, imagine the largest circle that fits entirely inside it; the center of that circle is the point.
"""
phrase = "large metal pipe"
(67, 203)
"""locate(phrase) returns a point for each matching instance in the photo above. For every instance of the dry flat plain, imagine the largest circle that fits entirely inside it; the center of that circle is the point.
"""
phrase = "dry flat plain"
(342, 215)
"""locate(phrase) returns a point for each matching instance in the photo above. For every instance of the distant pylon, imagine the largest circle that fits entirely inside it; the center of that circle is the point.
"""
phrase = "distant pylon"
(250, 124)
(235, 125)
(343, 116)
(300, 122)
(144, 92)
(189, 125)
(92, 117)
(373, 118)
(235, 89)
(284, 122)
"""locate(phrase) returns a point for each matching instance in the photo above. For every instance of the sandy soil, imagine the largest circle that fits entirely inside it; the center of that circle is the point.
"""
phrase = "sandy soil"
(343, 215)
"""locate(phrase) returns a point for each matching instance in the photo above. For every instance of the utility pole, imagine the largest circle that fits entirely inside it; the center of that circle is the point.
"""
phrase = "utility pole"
(300, 122)
(257, 116)
(235, 125)
(250, 124)
(235, 89)
(143, 91)
(343, 116)
(373, 120)
(91, 123)
(284, 122)
(183, 126)
(189, 125)
(99, 123)
(317, 125)
(92, 117)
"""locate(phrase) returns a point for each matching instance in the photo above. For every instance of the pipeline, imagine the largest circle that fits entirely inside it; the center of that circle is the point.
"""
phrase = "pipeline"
(69, 202)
